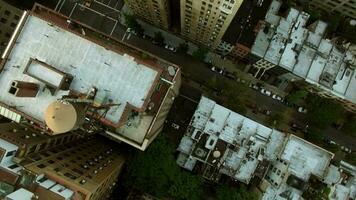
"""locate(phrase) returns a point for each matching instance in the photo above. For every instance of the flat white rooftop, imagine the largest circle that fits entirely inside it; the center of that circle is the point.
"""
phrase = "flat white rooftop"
(91, 65)
(305, 158)
(302, 50)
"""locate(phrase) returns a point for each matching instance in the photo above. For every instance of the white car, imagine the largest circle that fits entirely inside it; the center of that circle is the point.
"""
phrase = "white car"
(276, 97)
(175, 126)
(347, 150)
(169, 47)
(217, 69)
(302, 109)
(265, 92)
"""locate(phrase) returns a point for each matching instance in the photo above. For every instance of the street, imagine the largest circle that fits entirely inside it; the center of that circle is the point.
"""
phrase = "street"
(196, 72)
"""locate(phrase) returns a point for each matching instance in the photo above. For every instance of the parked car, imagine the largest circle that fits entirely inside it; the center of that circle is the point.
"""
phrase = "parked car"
(276, 97)
(229, 75)
(217, 69)
(302, 109)
(345, 149)
(144, 36)
(265, 92)
(253, 86)
(328, 141)
(267, 112)
(170, 47)
(175, 126)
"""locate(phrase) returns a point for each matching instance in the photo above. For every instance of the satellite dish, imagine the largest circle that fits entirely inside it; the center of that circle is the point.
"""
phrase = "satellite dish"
(62, 117)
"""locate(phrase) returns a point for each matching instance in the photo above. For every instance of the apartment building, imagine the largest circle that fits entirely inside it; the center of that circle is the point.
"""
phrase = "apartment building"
(288, 46)
(89, 168)
(56, 92)
(84, 168)
(156, 12)
(9, 17)
(205, 21)
(343, 7)
(30, 141)
(219, 142)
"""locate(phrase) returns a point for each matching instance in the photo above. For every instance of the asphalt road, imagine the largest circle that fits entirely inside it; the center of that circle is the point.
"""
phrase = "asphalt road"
(195, 70)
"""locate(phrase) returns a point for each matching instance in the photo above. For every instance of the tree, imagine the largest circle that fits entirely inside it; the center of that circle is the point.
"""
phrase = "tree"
(349, 126)
(200, 54)
(297, 97)
(156, 172)
(234, 95)
(323, 112)
(314, 136)
(132, 23)
(183, 48)
(334, 22)
(158, 37)
(225, 192)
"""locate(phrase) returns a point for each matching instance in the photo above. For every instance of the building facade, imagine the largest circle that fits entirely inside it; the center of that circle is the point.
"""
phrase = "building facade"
(205, 21)
(343, 7)
(68, 168)
(155, 12)
(9, 17)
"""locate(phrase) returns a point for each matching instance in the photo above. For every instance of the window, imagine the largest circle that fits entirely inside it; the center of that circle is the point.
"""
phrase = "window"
(3, 20)
(41, 166)
(13, 166)
(50, 161)
(7, 13)
(16, 17)
(11, 153)
(43, 179)
(69, 175)
(32, 149)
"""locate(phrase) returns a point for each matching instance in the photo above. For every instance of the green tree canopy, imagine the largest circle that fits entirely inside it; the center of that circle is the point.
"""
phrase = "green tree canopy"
(158, 37)
(314, 136)
(155, 171)
(132, 23)
(234, 95)
(183, 48)
(297, 97)
(322, 112)
(349, 126)
(225, 192)
(200, 54)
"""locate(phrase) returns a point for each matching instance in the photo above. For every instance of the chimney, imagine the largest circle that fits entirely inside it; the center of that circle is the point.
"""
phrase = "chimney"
(24, 89)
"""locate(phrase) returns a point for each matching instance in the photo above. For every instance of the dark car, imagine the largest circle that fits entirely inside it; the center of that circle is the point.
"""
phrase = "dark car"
(229, 75)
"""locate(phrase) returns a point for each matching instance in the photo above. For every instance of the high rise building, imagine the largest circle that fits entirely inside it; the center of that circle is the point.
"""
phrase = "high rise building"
(343, 7)
(99, 87)
(205, 21)
(83, 168)
(155, 12)
(30, 141)
(9, 16)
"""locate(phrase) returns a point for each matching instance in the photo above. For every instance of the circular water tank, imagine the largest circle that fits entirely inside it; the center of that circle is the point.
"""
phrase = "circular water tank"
(62, 117)
(171, 71)
(216, 154)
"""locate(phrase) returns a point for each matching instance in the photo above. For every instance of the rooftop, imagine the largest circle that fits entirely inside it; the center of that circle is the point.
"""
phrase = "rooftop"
(125, 80)
(20, 194)
(67, 59)
(305, 158)
(235, 144)
(302, 50)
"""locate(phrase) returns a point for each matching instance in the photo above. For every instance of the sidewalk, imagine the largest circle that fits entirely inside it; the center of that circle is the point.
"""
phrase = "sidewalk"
(215, 59)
